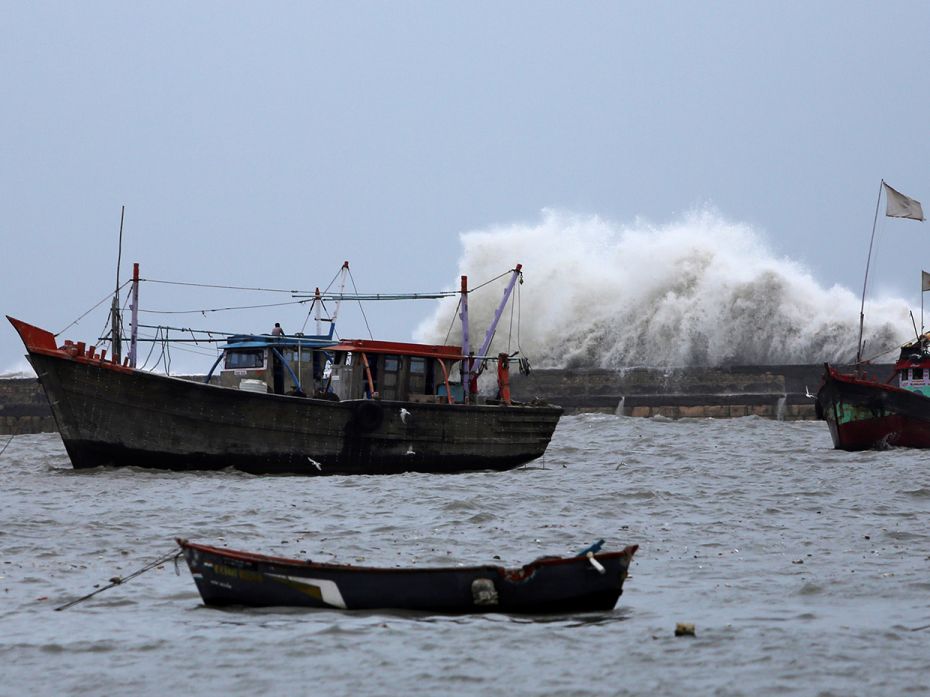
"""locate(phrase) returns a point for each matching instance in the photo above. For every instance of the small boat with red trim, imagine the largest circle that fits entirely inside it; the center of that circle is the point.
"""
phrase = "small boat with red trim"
(276, 404)
(589, 581)
(863, 411)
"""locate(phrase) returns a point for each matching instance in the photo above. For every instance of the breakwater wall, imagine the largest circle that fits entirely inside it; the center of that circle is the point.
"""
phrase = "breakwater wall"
(774, 391)
(24, 408)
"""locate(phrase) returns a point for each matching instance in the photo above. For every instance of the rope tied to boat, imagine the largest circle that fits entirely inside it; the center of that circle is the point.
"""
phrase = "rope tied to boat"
(3, 450)
(119, 580)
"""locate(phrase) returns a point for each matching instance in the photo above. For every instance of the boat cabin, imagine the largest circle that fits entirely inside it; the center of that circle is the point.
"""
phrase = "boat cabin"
(353, 369)
(395, 371)
(291, 365)
(913, 367)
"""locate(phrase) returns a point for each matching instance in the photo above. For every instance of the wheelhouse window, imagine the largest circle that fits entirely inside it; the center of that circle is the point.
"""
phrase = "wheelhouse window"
(416, 378)
(390, 380)
(917, 373)
(254, 358)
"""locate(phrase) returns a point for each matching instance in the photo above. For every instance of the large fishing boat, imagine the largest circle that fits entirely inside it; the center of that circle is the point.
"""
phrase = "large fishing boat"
(275, 404)
(862, 410)
(866, 412)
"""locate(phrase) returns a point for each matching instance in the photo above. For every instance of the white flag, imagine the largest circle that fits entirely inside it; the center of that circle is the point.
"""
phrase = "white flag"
(924, 281)
(897, 205)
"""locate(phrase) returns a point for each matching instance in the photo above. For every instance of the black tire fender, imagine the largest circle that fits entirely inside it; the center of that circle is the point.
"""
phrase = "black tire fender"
(368, 416)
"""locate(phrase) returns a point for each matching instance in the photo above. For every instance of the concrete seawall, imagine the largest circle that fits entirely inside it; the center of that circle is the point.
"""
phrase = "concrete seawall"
(24, 408)
(774, 391)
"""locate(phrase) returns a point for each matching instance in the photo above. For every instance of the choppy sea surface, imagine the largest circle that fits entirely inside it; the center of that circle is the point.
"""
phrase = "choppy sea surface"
(805, 570)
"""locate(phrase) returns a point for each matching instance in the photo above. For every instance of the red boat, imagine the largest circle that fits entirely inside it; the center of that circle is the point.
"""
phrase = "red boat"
(863, 412)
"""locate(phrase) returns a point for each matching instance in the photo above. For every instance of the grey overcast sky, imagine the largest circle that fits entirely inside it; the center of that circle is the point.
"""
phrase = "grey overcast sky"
(261, 144)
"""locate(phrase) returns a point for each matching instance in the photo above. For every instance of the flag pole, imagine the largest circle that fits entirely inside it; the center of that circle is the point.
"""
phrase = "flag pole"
(866, 279)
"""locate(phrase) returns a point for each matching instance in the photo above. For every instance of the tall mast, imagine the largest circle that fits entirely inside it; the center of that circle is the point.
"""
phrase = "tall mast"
(865, 281)
(134, 332)
(114, 308)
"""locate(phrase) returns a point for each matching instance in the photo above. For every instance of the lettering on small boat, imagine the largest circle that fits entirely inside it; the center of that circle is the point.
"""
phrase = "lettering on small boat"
(243, 574)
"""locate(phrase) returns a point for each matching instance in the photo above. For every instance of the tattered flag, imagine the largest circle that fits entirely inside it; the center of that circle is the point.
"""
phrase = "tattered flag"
(897, 205)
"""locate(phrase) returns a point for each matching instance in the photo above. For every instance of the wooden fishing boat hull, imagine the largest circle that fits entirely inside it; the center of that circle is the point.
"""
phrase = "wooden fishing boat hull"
(548, 585)
(112, 415)
(863, 413)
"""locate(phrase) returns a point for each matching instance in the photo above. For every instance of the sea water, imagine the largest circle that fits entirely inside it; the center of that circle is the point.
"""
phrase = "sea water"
(805, 570)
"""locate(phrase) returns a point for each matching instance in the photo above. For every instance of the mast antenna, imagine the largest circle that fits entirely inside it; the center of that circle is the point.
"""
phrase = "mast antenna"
(115, 329)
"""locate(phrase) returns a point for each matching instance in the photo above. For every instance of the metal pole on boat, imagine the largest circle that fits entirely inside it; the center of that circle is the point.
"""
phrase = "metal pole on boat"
(466, 362)
(500, 310)
(343, 272)
(134, 330)
(866, 279)
(114, 308)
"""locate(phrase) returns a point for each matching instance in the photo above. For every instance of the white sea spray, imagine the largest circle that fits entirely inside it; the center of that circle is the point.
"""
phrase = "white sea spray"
(699, 291)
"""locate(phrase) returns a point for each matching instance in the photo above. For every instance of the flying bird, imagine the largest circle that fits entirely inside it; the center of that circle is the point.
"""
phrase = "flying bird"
(404, 415)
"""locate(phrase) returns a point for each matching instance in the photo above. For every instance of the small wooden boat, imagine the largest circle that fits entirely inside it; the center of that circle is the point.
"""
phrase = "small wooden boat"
(591, 581)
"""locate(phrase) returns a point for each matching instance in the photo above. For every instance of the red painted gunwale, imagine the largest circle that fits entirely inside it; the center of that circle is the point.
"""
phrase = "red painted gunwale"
(38, 340)
(398, 347)
(284, 561)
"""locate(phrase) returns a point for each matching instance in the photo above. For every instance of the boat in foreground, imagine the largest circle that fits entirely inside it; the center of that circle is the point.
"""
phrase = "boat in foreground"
(864, 412)
(592, 581)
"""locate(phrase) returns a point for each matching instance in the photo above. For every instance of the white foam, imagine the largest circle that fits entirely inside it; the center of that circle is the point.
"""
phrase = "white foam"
(701, 291)
(20, 369)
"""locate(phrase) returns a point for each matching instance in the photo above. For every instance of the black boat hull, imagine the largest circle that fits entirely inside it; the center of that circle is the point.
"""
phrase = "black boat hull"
(549, 585)
(120, 417)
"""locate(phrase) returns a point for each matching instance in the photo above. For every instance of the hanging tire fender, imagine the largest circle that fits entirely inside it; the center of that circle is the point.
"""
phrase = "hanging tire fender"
(368, 416)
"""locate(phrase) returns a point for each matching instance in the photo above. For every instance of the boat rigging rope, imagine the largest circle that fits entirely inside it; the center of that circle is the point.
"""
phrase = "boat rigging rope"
(119, 580)
(878, 355)
(222, 287)
(151, 349)
(9, 440)
(362, 309)
(452, 321)
(108, 296)
(221, 309)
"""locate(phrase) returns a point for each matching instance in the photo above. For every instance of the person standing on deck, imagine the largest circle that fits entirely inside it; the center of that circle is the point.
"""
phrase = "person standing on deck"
(277, 331)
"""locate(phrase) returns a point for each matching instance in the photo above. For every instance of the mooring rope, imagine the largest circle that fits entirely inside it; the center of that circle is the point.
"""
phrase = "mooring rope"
(119, 580)
(9, 440)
